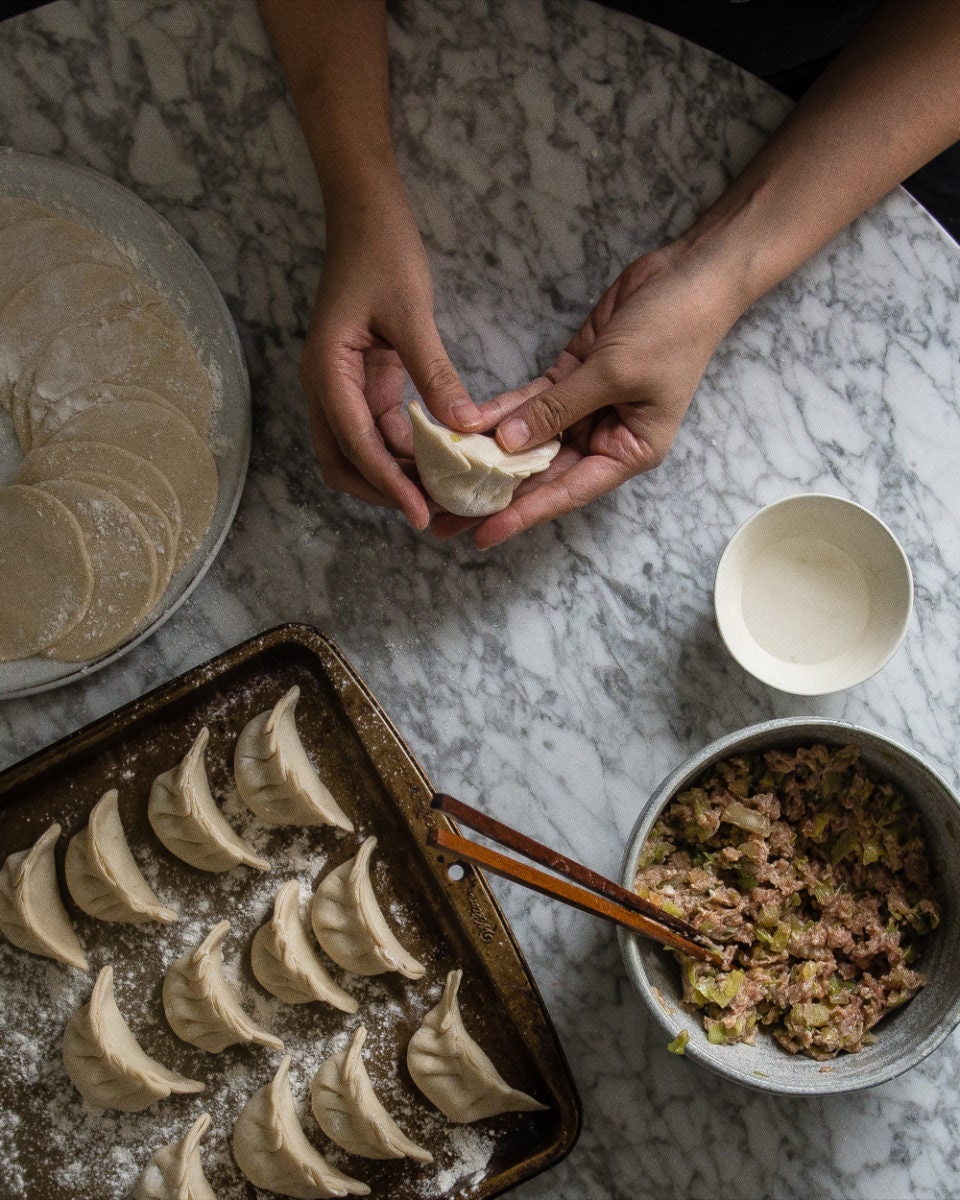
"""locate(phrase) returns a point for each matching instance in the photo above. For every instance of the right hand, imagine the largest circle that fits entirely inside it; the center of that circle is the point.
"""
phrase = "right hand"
(616, 394)
(373, 324)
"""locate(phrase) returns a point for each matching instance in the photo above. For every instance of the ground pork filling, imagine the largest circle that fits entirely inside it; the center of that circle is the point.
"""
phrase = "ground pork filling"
(814, 879)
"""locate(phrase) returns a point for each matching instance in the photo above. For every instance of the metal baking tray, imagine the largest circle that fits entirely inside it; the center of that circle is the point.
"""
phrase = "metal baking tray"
(53, 1146)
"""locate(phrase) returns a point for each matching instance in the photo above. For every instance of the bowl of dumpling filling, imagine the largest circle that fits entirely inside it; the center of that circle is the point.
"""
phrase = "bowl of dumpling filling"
(822, 860)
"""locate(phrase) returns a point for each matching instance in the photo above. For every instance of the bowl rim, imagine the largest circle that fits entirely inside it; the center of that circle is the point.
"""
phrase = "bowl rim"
(757, 666)
(796, 729)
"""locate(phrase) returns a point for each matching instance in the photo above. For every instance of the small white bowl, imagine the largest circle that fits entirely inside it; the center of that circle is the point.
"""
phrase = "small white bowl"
(813, 594)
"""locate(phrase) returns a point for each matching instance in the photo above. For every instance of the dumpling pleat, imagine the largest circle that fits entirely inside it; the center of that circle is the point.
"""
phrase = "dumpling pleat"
(32, 914)
(349, 925)
(274, 776)
(272, 1150)
(453, 1072)
(105, 1061)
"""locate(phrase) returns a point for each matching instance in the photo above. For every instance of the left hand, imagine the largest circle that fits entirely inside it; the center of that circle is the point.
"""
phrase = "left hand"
(617, 393)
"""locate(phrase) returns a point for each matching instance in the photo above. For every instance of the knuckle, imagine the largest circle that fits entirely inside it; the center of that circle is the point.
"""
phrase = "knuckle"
(547, 414)
(655, 457)
(619, 379)
(440, 379)
(355, 442)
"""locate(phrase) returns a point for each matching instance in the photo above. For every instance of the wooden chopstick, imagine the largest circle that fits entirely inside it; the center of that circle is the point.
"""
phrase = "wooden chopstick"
(598, 895)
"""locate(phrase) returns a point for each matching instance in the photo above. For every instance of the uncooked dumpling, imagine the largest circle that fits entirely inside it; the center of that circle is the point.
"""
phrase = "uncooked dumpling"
(202, 1007)
(349, 1113)
(349, 925)
(467, 473)
(105, 1061)
(274, 775)
(102, 874)
(284, 961)
(31, 912)
(453, 1072)
(175, 1172)
(272, 1150)
(185, 817)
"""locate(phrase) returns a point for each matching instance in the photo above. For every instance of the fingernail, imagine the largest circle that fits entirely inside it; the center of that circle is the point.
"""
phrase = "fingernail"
(513, 434)
(465, 414)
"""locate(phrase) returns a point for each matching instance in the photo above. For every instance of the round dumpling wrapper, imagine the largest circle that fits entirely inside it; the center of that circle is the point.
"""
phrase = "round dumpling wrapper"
(124, 571)
(32, 246)
(55, 298)
(18, 208)
(148, 513)
(168, 441)
(46, 579)
(131, 347)
(67, 459)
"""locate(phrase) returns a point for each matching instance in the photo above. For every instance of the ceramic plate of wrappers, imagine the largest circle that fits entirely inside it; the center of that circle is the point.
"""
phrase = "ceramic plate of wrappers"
(230, 954)
(124, 421)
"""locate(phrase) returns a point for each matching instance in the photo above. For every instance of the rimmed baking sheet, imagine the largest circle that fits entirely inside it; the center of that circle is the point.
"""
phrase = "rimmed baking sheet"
(53, 1147)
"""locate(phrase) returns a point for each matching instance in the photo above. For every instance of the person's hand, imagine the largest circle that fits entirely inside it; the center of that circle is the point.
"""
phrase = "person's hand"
(373, 323)
(616, 394)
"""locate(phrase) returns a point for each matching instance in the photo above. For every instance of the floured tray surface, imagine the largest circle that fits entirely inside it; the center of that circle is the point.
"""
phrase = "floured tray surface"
(53, 1145)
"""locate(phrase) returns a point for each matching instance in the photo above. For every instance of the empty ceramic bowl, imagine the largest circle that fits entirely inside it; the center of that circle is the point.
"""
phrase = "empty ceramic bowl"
(903, 1037)
(813, 594)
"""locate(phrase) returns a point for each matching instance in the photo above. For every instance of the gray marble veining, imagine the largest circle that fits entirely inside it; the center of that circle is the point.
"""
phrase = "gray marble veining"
(556, 679)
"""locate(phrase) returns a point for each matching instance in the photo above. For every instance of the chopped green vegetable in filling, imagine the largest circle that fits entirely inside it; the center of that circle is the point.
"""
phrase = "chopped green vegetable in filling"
(815, 879)
(679, 1043)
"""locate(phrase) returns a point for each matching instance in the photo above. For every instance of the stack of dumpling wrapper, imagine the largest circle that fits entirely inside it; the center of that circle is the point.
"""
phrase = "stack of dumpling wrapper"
(112, 409)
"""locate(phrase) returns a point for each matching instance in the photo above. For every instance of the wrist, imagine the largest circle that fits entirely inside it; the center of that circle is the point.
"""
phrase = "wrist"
(735, 255)
(366, 199)
(362, 177)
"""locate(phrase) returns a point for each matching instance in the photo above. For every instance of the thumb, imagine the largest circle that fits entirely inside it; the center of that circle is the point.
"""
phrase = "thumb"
(552, 410)
(435, 378)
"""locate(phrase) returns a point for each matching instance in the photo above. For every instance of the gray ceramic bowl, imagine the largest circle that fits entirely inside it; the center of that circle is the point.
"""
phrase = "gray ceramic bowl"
(905, 1037)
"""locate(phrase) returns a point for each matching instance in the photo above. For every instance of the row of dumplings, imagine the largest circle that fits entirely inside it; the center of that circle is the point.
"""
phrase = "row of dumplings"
(272, 1149)
(275, 779)
(110, 1069)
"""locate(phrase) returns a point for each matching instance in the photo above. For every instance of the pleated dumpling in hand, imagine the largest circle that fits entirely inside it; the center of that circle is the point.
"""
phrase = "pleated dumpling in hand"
(102, 874)
(105, 1061)
(349, 1113)
(275, 777)
(32, 914)
(467, 473)
(272, 1150)
(201, 1005)
(185, 817)
(175, 1171)
(453, 1072)
(349, 925)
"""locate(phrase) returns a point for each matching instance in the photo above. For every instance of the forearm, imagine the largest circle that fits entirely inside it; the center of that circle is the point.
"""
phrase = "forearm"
(334, 55)
(888, 104)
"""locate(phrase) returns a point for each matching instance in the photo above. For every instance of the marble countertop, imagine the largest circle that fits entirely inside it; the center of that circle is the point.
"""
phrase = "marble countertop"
(556, 679)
